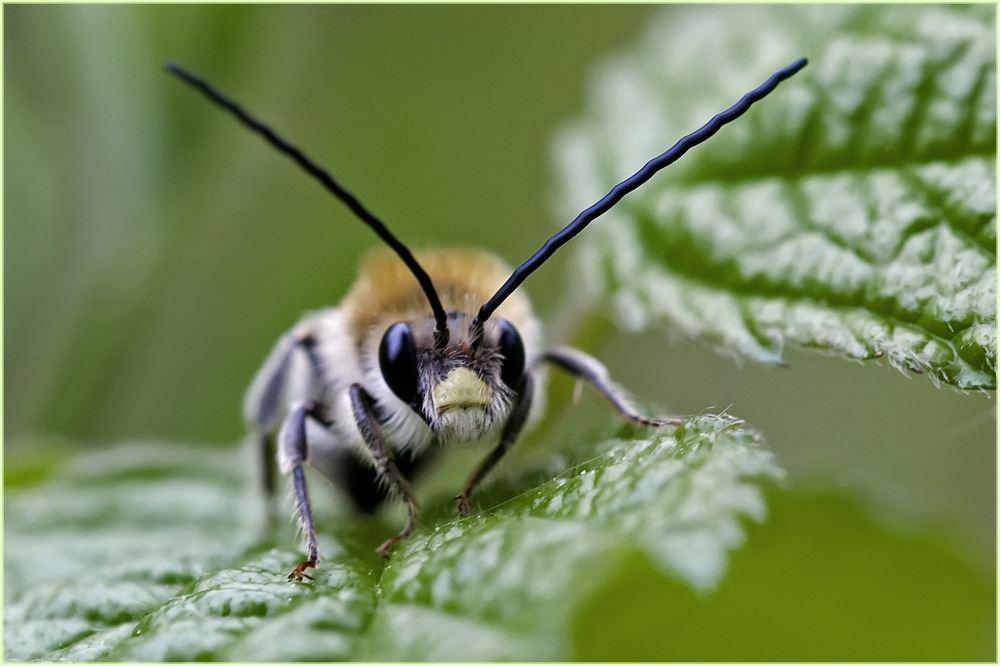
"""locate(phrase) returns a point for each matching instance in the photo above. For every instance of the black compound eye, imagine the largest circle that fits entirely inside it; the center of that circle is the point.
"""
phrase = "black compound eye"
(397, 358)
(512, 350)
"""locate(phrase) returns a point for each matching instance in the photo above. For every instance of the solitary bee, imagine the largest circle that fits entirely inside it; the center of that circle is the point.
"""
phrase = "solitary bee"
(424, 351)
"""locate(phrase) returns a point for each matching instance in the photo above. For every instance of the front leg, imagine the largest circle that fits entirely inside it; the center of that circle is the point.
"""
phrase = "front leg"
(518, 416)
(590, 369)
(385, 466)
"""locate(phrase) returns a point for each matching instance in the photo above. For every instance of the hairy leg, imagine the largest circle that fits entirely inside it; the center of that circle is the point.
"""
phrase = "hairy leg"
(591, 370)
(518, 417)
(385, 465)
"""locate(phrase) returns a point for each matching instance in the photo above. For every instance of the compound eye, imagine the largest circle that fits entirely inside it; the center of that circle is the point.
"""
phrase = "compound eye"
(512, 350)
(397, 358)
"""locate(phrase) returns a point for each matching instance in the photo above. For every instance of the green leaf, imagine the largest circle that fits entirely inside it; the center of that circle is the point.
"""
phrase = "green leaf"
(157, 553)
(161, 552)
(853, 211)
(521, 572)
(617, 548)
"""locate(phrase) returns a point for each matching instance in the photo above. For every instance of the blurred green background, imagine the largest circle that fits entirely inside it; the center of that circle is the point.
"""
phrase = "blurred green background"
(154, 250)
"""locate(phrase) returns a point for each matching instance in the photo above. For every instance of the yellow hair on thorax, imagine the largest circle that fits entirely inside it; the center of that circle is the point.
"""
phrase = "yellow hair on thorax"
(464, 279)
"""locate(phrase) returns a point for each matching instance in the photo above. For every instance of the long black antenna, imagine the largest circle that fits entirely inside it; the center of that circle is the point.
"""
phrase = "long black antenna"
(630, 184)
(320, 174)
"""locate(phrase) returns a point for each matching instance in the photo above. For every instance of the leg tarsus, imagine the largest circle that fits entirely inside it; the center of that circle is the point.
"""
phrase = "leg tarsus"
(463, 504)
(300, 571)
(293, 443)
(411, 524)
(387, 545)
(262, 408)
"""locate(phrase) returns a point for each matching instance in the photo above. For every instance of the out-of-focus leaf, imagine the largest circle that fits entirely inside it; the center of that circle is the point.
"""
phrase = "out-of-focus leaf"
(818, 583)
(155, 554)
(117, 534)
(853, 211)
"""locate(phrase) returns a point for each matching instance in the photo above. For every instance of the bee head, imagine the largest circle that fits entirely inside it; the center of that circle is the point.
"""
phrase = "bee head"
(462, 390)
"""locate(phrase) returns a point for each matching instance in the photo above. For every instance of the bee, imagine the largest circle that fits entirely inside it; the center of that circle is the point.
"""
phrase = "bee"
(425, 351)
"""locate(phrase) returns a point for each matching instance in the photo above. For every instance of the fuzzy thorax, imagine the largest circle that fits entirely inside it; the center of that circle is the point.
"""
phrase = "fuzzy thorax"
(386, 291)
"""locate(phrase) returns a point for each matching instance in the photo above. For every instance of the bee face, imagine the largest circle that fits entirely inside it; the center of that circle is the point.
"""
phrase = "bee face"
(462, 391)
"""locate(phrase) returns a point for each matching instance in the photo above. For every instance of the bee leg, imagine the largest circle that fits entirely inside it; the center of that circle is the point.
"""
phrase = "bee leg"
(292, 443)
(518, 416)
(385, 466)
(263, 405)
(268, 477)
(354, 474)
(588, 368)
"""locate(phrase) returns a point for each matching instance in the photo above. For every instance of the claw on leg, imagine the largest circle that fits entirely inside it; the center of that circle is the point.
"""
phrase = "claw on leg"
(463, 504)
(387, 545)
(299, 572)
